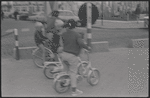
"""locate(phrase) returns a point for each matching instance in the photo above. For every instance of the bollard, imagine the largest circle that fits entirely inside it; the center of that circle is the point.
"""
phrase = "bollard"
(16, 44)
(17, 17)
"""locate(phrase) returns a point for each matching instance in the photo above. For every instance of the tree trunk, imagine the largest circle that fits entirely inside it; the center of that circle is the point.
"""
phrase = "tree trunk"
(30, 8)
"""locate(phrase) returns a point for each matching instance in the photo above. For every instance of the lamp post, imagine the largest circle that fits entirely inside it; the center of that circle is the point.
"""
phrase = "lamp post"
(89, 17)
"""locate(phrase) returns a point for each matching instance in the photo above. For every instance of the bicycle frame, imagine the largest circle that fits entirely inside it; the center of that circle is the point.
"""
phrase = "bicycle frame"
(65, 78)
(59, 63)
(88, 61)
(81, 62)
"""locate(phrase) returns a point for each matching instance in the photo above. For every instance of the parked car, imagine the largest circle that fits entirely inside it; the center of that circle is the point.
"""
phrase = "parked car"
(8, 14)
(67, 14)
(64, 15)
(23, 16)
(37, 16)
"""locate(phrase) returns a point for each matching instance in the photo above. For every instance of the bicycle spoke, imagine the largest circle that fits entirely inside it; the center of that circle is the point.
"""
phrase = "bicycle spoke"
(38, 57)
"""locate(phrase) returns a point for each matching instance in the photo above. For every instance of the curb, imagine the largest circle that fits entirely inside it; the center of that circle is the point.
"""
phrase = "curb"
(26, 52)
(117, 28)
(140, 43)
(118, 21)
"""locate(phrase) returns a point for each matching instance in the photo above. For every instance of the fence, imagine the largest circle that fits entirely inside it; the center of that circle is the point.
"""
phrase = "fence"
(7, 44)
(143, 19)
(11, 41)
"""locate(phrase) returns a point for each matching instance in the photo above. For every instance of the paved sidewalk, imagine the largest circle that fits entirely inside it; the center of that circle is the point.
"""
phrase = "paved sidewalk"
(118, 24)
(23, 78)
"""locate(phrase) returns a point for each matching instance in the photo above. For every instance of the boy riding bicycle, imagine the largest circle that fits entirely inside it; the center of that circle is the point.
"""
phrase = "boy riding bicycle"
(52, 39)
(72, 44)
(52, 32)
(39, 38)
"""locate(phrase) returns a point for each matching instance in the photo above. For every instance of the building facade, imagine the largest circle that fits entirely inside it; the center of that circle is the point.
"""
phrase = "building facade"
(113, 7)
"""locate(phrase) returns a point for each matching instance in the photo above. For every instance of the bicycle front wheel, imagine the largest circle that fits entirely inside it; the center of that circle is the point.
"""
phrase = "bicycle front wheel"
(61, 85)
(37, 58)
(93, 77)
(48, 69)
(82, 69)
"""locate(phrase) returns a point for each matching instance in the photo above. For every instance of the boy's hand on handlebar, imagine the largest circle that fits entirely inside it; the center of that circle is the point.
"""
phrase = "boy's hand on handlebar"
(89, 49)
(46, 40)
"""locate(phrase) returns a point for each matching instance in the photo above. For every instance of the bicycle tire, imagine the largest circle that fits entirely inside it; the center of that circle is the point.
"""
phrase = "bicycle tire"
(48, 69)
(60, 81)
(90, 76)
(81, 70)
(37, 57)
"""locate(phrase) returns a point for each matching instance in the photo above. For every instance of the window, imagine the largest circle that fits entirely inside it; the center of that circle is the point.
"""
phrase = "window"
(42, 14)
(69, 14)
(24, 8)
(42, 8)
(62, 13)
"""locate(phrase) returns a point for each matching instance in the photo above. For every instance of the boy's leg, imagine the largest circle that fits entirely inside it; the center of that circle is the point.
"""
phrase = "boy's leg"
(55, 57)
(73, 61)
(43, 52)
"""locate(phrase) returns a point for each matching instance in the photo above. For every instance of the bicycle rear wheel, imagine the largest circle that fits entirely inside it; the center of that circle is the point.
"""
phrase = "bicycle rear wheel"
(37, 57)
(60, 85)
(93, 77)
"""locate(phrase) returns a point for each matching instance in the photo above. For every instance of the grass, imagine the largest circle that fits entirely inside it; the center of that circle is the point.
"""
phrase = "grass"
(117, 38)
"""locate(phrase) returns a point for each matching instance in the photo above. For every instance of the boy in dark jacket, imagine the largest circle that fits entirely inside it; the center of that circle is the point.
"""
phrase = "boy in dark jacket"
(39, 38)
(72, 45)
(52, 32)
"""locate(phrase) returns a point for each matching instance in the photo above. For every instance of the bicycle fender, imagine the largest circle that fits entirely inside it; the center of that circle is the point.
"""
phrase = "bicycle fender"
(94, 69)
(90, 71)
(60, 75)
(82, 63)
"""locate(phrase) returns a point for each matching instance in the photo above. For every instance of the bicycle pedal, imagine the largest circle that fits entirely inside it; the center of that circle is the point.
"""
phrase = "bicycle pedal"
(85, 76)
(55, 75)
(67, 82)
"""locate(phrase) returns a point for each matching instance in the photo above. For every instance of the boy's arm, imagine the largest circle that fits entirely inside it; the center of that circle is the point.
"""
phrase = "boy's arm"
(61, 41)
(81, 43)
(41, 36)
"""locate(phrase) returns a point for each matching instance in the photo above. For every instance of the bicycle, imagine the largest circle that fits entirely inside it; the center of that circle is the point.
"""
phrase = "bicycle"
(85, 70)
(37, 55)
(49, 66)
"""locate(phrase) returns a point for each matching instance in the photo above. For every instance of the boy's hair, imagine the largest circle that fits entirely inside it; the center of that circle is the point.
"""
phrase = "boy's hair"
(55, 13)
(59, 22)
(71, 24)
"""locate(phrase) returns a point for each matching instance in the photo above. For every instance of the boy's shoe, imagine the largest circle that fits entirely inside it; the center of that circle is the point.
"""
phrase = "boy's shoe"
(78, 92)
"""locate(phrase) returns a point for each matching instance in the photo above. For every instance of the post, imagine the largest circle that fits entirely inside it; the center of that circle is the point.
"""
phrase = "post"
(102, 13)
(89, 35)
(16, 44)
(17, 17)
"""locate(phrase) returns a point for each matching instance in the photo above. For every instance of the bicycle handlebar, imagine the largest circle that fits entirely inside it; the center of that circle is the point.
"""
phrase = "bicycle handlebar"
(87, 52)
